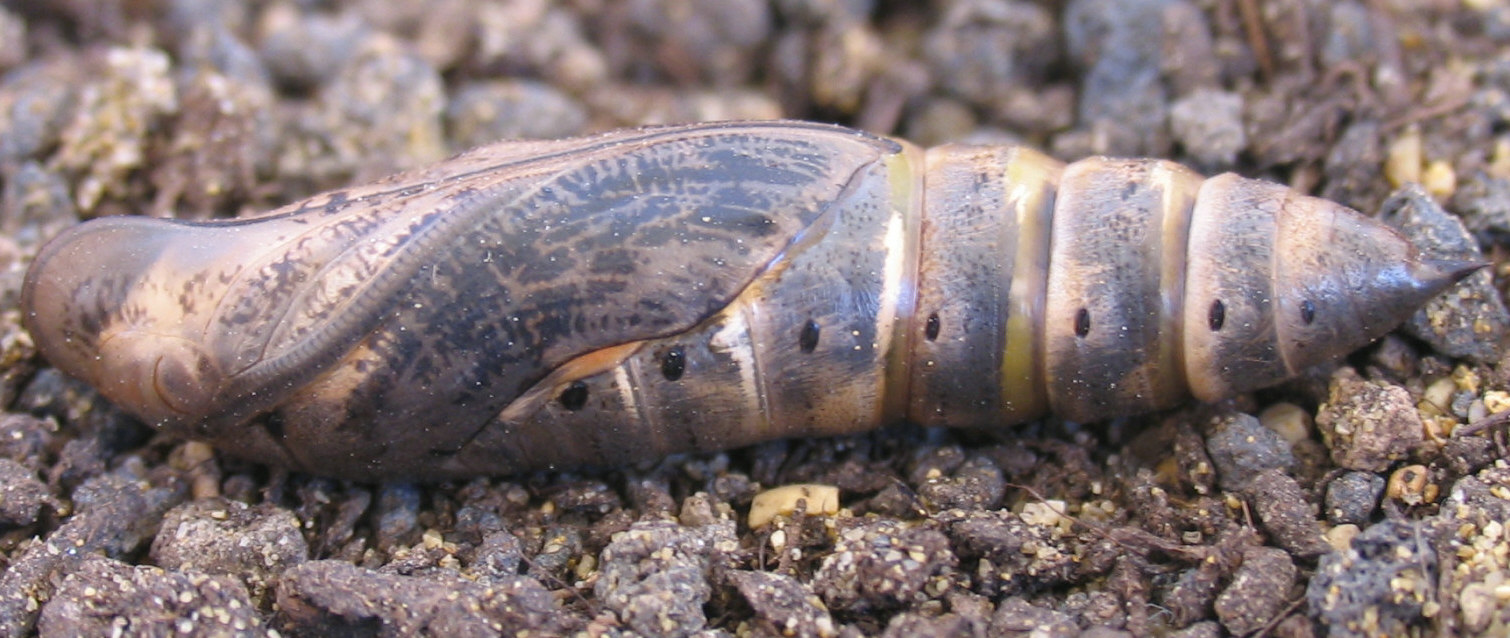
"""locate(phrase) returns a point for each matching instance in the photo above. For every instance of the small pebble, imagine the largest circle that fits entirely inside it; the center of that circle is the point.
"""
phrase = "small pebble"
(1241, 448)
(782, 501)
(1292, 422)
(22, 495)
(1411, 485)
(1353, 497)
(1470, 319)
(1209, 124)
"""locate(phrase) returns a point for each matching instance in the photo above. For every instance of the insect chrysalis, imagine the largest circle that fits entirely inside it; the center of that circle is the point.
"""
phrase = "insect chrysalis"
(598, 300)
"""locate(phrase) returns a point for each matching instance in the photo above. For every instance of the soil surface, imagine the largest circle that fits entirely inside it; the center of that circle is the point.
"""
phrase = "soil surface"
(1367, 498)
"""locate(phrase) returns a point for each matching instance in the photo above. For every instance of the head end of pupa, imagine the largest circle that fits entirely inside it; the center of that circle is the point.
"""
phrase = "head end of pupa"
(106, 302)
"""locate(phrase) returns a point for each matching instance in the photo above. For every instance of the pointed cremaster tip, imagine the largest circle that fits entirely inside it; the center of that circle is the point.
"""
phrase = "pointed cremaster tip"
(1435, 275)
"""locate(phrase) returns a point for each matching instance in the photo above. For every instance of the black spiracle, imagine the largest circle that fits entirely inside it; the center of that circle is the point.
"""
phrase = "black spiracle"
(808, 340)
(1082, 322)
(673, 363)
(574, 397)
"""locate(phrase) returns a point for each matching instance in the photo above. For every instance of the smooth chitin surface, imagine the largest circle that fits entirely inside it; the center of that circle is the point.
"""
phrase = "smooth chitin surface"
(600, 300)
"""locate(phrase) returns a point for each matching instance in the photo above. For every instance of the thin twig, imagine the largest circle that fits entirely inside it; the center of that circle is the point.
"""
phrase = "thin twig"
(1428, 111)
(1254, 28)
(1492, 421)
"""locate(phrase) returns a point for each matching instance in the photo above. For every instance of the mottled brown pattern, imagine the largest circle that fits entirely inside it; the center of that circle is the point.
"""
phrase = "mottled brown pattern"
(513, 307)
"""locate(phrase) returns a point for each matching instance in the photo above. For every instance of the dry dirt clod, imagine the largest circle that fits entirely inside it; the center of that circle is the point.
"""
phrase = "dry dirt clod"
(252, 544)
(784, 605)
(1285, 514)
(1368, 424)
(881, 565)
(655, 575)
(327, 597)
(1380, 586)
(114, 515)
(1259, 590)
(105, 597)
